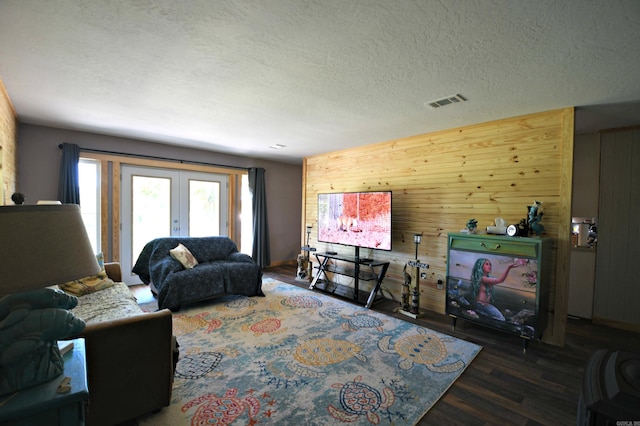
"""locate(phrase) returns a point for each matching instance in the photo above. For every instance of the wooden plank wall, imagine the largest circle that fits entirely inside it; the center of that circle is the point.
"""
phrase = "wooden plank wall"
(441, 180)
(8, 148)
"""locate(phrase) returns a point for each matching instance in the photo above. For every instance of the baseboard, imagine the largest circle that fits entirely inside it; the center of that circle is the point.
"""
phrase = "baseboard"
(617, 324)
(283, 263)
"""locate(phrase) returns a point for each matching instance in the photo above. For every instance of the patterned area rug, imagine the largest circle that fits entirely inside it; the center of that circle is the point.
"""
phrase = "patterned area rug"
(297, 357)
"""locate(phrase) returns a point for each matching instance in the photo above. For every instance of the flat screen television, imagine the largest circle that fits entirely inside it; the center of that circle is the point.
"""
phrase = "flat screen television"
(358, 219)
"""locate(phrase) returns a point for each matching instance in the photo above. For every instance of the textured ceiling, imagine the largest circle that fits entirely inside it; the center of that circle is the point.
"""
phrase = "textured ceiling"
(314, 75)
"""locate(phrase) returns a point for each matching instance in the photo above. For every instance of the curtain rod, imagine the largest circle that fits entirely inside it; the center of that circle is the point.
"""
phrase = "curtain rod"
(153, 157)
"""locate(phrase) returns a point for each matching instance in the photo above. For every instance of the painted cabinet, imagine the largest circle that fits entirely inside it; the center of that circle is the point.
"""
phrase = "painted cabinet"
(500, 282)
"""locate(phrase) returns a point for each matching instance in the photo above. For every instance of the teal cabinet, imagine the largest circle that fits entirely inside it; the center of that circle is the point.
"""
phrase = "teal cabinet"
(500, 282)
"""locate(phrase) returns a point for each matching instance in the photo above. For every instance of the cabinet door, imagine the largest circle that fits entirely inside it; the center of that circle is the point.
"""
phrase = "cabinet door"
(508, 300)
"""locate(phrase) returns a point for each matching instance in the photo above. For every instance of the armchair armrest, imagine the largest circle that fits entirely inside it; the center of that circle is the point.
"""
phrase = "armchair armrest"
(130, 365)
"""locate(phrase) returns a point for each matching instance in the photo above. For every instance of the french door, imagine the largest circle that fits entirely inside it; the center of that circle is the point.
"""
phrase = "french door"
(165, 202)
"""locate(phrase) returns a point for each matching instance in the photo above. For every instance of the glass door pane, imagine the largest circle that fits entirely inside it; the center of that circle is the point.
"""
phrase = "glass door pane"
(150, 210)
(204, 204)
(204, 208)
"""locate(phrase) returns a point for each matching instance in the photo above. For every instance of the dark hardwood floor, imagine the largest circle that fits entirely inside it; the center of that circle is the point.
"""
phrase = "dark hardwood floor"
(503, 385)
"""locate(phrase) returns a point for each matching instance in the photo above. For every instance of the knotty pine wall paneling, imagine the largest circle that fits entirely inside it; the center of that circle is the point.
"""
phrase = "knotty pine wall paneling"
(8, 148)
(440, 180)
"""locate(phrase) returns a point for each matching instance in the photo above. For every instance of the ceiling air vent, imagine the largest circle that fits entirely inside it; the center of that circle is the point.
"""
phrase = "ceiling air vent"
(446, 101)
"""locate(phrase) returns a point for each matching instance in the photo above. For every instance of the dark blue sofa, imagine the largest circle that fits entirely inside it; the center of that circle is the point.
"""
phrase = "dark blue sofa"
(221, 270)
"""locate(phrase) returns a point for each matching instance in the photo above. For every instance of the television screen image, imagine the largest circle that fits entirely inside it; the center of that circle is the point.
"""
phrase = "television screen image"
(359, 219)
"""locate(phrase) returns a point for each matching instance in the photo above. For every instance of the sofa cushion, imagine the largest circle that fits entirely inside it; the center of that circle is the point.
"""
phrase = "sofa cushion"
(184, 256)
(111, 303)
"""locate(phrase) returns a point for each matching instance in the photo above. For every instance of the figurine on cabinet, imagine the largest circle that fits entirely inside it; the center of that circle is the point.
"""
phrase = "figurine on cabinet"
(472, 225)
(534, 216)
(18, 198)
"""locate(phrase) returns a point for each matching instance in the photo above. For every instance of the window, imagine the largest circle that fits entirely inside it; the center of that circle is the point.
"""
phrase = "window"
(246, 218)
(89, 176)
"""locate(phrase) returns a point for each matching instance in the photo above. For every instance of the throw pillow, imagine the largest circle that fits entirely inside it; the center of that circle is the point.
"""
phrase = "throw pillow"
(184, 256)
(87, 285)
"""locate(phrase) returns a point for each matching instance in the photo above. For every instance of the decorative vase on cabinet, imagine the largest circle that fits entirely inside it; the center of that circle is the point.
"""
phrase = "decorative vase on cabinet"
(500, 282)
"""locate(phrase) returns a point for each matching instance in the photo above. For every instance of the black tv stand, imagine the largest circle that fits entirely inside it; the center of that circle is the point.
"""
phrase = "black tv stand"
(360, 269)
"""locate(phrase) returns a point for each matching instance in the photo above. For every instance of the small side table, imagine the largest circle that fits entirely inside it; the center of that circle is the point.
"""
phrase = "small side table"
(41, 404)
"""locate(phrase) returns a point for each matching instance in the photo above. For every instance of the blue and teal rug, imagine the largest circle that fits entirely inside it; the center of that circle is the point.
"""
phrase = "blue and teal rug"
(297, 357)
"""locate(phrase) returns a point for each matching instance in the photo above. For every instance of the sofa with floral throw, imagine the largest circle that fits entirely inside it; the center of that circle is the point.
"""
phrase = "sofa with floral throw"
(183, 270)
(131, 354)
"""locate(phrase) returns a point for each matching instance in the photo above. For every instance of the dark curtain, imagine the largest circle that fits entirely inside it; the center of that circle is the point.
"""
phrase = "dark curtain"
(69, 184)
(260, 253)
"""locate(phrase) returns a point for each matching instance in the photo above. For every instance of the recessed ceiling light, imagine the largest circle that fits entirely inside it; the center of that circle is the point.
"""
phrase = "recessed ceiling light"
(454, 99)
(277, 146)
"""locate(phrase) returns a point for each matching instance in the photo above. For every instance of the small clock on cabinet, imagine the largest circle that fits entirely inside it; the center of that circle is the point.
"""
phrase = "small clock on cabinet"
(513, 230)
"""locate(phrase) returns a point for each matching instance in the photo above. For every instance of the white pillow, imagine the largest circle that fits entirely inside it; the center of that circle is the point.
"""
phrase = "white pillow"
(184, 256)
